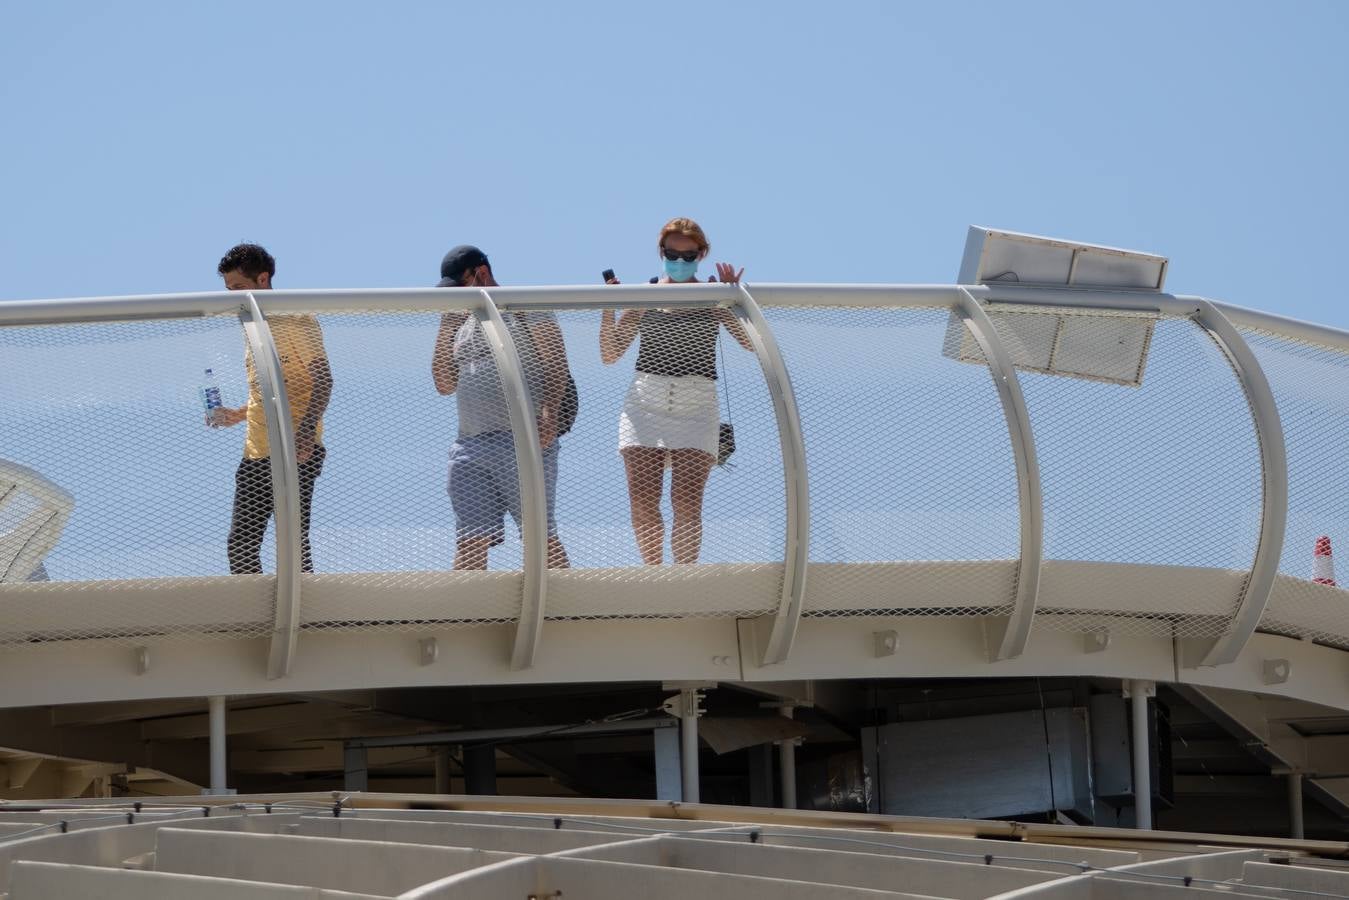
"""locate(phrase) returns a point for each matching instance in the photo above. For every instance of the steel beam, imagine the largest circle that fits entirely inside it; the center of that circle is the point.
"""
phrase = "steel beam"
(515, 735)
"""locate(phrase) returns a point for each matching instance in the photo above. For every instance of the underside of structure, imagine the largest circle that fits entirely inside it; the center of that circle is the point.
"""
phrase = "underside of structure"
(1224, 761)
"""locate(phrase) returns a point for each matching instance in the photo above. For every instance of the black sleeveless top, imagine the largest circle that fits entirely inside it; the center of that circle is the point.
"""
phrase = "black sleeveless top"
(677, 342)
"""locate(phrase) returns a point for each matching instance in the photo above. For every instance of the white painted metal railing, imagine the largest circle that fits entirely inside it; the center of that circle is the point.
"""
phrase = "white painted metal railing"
(805, 584)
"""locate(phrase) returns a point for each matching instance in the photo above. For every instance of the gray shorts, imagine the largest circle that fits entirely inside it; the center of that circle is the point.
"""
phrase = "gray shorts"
(484, 484)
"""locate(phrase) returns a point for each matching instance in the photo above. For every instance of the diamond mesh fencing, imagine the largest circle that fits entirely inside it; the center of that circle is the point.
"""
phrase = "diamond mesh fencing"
(913, 484)
(1151, 476)
(419, 487)
(116, 495)
(123, 516)
(640, 493)
(1311, 389)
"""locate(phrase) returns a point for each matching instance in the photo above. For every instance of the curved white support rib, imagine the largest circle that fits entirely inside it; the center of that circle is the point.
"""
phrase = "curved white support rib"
(796, 555)
(529, 468)
(1017, 632)
(285, 488)
(1274, 483)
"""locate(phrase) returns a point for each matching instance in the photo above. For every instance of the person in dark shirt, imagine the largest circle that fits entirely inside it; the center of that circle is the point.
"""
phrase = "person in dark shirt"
(670, 412)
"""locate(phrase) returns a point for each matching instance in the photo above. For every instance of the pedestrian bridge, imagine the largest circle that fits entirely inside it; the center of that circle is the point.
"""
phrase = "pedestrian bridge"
(930, 480)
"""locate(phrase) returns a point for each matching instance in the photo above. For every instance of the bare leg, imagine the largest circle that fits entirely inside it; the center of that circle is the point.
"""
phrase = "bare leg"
(646, 480)
(471, 552)
(557, 554)
(691, 468)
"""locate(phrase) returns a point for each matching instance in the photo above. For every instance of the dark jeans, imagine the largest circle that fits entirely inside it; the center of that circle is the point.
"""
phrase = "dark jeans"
(253, 507)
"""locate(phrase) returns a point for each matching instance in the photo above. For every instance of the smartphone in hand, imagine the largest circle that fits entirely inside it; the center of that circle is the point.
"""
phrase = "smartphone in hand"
(607, 276)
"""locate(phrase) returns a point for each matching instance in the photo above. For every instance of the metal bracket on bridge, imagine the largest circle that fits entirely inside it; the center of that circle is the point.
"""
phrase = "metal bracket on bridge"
(1274, 483)
(1017, 630)
(796, 557)
(529, 467)
(285, 487)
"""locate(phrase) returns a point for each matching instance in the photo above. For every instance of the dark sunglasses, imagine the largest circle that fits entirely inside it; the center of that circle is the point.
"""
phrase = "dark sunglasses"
(686, 255)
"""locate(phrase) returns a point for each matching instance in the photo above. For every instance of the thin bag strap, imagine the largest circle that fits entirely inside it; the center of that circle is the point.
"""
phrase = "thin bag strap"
(725, 377)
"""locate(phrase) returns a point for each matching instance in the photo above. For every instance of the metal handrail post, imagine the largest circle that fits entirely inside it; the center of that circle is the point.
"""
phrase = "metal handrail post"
(1029, 496)
(1274, 484)
(796, 550)
(285, 487)
(1296, 827)
(1141, 751)
(529, 468)
(215, 707)
(787, 760)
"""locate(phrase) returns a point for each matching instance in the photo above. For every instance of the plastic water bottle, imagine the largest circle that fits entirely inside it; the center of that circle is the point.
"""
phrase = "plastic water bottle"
(210, 393)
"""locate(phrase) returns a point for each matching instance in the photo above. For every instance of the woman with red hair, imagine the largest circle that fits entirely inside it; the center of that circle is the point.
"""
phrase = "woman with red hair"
(670, 412)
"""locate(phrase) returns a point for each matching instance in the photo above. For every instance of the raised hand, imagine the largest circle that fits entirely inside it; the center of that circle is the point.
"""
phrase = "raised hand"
(727, 274)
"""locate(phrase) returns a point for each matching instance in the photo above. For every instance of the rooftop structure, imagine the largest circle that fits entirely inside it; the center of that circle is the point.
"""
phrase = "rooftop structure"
(423, 847)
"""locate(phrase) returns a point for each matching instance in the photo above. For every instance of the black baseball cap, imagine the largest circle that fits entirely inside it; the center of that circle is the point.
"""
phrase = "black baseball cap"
(458, 261)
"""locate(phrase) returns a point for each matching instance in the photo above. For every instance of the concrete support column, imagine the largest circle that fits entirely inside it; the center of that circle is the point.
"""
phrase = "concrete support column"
(787, 759)
(1139, 691)
(687, 707)
(688, 735)
(1295, 828)
(219, 758)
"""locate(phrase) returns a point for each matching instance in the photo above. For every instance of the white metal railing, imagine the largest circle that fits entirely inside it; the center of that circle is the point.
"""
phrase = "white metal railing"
(797, 545)
(755, 307)
(1031, 501)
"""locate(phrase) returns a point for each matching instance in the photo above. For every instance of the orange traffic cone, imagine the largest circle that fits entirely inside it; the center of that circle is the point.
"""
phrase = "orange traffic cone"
(1323, 564)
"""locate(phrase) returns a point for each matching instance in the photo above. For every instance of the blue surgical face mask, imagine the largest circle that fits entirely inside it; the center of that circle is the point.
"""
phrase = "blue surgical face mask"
(681, 270)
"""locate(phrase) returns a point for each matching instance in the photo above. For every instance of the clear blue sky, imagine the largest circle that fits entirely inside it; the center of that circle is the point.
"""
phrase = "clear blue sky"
(848, 142)
(815, 142)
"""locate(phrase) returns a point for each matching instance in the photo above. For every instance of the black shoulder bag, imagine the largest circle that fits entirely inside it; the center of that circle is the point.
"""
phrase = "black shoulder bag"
(570, 405)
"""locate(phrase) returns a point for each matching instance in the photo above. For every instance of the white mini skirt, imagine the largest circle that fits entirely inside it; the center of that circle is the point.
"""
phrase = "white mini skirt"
(670, 412)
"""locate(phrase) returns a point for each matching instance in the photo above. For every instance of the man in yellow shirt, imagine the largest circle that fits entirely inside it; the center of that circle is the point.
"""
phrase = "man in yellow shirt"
(309, 385)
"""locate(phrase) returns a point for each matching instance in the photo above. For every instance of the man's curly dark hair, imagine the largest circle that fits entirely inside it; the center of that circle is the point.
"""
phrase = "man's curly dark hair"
(250, 260)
